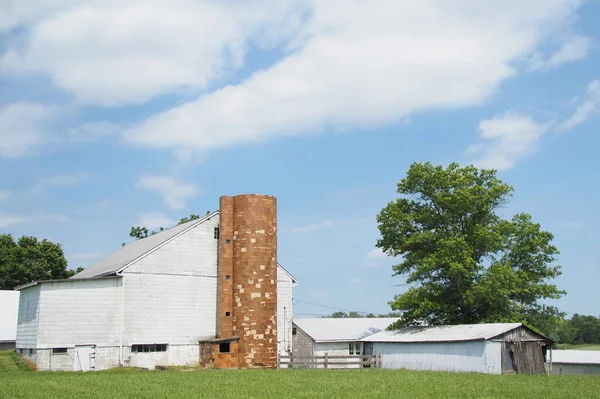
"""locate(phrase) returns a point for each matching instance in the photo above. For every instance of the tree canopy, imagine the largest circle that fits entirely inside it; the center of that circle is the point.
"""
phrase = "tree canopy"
(354, 315)
(463, 262)
(139, 232)
(29, 259)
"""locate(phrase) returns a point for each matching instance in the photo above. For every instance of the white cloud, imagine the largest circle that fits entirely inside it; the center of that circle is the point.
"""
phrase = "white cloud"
(4, 195)
(585, 108)
(114, 52)
(22, 128)
(377, 253)
(61, 180)
(175, 193)
(363, 64)
(572, 49)
(9, 220)
(93, 131)
(329, 223)
(354, 280)
(507, 139)
(575, 226)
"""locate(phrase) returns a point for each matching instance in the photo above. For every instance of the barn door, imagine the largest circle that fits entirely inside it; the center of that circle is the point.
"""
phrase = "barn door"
(528, 357)
(85, 356)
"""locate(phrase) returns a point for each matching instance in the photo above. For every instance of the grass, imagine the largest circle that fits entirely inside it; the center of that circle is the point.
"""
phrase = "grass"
(587, 347)
(130, 383)
(10, 362)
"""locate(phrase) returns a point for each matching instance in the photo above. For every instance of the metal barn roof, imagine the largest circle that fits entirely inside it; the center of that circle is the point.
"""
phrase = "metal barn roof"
(576, 356)
(461, 332)
(342, 329)
(137, 249)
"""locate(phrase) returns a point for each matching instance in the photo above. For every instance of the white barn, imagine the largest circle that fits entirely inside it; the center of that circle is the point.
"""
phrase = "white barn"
(574, 362)
(493, 348)
(335, 336)
(150, 303)
(9, 309)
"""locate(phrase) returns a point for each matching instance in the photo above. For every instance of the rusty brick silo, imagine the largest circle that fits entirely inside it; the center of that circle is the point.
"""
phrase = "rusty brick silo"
(248, 277)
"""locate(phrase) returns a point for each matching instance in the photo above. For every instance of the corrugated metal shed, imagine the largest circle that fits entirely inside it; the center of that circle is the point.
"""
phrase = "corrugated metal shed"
(342, 329)
(455, 333)
(575, 357)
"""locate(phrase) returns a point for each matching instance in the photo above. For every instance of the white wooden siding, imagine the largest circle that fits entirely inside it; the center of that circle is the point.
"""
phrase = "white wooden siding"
(472, 356)
(284, 312)
(169, 309)
(193, 253)
(337, 349)
(79, 312)
(27, 322)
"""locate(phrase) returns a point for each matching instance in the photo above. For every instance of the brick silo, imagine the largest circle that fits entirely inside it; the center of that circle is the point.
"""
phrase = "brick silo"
(248, 277)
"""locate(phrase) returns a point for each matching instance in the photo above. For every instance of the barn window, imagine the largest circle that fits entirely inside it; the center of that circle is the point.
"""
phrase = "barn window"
(224, 347)
(227, 277)
(56, 351)
(227, 241)
(354, 348)
(293, 330)
(140, 348)
(216, 235)
(227, 314)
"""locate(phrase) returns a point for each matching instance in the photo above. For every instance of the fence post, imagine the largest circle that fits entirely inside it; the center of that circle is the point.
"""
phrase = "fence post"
(278, 361)
(325, 362)
(378, 361)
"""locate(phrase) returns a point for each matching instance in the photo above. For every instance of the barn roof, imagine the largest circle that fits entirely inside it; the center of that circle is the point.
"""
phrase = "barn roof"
(460, 332)
(131, 252)
(342, 329)
(576, 356)
(140, 248)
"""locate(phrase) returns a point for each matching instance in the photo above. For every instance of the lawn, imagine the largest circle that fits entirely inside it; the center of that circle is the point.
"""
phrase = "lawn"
(587, 347)
(328, 384)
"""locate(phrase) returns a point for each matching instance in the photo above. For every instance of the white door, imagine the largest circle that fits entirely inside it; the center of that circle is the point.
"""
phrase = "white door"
(84, 358)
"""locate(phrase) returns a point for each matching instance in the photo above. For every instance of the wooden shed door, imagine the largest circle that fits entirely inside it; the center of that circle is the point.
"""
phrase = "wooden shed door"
(528, 357)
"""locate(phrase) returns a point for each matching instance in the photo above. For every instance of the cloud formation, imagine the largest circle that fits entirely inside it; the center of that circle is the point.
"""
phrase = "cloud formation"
(574, 48)
(174, 192)
(506, 139)
(22, 128)
(585, 108)
(11, 219)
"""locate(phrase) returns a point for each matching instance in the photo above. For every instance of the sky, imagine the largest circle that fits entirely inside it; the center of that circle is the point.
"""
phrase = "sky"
(114, 114)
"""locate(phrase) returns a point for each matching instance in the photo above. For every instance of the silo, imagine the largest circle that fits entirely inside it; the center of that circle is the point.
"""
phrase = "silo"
(248, 277)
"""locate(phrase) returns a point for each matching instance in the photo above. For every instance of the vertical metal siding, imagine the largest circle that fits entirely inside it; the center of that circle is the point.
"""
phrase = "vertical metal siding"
(471, 356)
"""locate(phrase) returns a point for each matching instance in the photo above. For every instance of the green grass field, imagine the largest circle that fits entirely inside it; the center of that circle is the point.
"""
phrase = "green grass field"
(130, 383)
(587, 347)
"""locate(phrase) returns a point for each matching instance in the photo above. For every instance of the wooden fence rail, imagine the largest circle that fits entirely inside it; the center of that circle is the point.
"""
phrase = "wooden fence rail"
(326, 361)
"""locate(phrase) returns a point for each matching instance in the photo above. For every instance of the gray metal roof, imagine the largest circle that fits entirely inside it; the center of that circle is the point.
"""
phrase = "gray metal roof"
(570, 356)
(137, 249)
(461, 332)
(342, 329)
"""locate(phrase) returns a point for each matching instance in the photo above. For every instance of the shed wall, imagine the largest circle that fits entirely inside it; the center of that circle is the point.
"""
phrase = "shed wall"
(471, 356)
(9, 313)
(575, 369)
(284, 312)
(27, 321)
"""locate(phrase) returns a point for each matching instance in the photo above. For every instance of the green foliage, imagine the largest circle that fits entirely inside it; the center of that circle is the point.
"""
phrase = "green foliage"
(242, 384)
(578, 330)
(353, 314)
(29, 259)
(465, 263)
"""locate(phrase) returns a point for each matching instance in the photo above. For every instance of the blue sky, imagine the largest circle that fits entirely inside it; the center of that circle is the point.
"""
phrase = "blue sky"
(112, 115)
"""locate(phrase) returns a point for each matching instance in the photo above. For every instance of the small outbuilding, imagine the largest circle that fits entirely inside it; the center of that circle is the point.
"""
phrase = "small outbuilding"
(497, 348)
(9, 310)
(334, 336)
(575, 362)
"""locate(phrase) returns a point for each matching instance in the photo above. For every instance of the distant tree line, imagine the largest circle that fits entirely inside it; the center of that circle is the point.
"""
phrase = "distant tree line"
(353, 314)
(579, 329)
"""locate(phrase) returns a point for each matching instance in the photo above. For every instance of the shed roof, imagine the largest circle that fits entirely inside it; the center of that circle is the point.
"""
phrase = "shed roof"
(460, 332)
(576, 356)
(342, 329)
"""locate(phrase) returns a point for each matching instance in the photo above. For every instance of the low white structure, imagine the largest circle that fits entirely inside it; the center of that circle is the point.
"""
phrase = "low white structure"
(9, 309)
(335, 336)
(479, 348)
(148, 304)
(574, 362)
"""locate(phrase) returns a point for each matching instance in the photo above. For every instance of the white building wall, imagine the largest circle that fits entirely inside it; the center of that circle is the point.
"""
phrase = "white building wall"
(9, 313)
(79, 312)
(472, 356)
(27, 321)
(336, 349)
(284, 312)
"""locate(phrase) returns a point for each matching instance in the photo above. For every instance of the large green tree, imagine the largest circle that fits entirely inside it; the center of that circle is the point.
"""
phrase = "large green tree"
(29, 259)
(463, 262)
